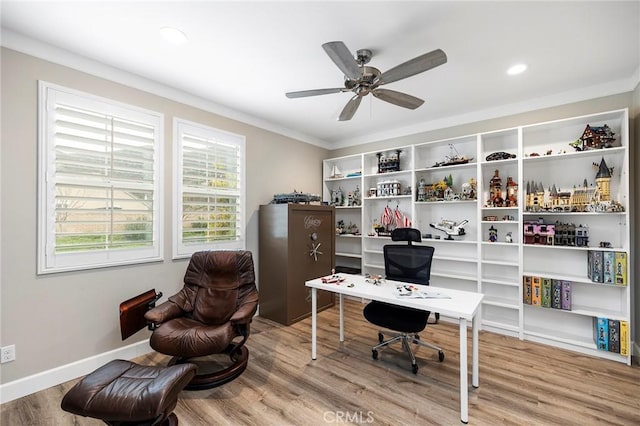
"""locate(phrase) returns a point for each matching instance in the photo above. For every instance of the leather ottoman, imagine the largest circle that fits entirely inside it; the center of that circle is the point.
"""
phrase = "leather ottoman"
(124, 393)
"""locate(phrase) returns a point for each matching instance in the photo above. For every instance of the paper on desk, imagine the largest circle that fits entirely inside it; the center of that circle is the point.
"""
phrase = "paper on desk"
(411, 292)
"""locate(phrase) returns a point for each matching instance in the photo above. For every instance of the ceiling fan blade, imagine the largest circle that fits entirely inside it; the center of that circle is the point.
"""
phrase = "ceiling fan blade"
(342, 57)
(313, 92)
(350, 108)
(398, 98)
(414, 66)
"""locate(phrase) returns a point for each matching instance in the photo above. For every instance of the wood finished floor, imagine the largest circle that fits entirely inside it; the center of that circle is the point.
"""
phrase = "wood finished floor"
(521, 383)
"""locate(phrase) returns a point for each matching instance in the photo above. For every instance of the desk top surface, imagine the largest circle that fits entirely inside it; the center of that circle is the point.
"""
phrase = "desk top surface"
(459, 304)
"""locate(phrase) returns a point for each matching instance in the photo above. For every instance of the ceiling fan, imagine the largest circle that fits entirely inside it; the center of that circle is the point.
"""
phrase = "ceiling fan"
(362, 80)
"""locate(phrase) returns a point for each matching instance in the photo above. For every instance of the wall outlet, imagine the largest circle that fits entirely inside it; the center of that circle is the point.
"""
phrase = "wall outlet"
(7, 353)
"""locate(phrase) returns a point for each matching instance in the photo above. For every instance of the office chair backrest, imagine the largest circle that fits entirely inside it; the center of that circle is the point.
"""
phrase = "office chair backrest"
(408, 262)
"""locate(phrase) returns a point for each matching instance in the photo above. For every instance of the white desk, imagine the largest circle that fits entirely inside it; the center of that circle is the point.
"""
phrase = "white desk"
(461, 304)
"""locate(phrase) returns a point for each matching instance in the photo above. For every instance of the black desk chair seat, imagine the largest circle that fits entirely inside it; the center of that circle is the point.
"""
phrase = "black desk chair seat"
(407, 263)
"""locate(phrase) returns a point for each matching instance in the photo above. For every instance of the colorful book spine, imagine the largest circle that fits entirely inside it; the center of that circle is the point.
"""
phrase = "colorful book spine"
(545, 299)
(556, 294)
(620, 268)
(608, 262)
(602, 333)
(590, 264)
(526, 290)
(566, 295)
(536, 291)
(624, 338)
(614, 336)
(596, 266)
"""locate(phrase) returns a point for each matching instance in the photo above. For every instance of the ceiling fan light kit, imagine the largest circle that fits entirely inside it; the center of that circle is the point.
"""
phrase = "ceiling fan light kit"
(362, 80)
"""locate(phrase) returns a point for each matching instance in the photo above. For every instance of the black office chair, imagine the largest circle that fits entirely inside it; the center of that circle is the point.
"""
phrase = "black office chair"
(407, 263)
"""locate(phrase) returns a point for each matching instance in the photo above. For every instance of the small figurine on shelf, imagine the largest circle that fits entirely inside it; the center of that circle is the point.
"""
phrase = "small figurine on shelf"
(469, 190)
(495, 191)
(493, 234)
(512, 193)
(508, 238)
(337, 197)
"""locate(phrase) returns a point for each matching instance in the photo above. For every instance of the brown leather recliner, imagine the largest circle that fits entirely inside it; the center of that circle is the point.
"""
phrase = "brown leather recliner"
(210, 315)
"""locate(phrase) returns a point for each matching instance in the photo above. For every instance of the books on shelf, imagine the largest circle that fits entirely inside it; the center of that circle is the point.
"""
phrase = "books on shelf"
(620, 268)
(536, 289)
(546, 292)
(611, 335)
(526, 290)
(601, 333)
(566, 295)
(624, 338)
(545, 299)
(556, 294)
(607, 267)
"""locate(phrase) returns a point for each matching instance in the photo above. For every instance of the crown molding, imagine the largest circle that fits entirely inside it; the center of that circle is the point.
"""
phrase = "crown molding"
(47, 52)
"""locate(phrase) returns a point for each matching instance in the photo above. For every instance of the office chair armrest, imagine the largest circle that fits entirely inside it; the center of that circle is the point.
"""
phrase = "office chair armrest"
(162, 313)
(247, 309)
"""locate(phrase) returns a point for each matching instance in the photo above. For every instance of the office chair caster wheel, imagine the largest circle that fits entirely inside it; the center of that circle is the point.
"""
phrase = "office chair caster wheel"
(380, 338)
(414, 368)
(374, 354)
(440, 356)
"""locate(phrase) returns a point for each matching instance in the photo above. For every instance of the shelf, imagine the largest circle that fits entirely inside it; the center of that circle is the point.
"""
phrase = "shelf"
(455, 259)
(348, 207)
(501, 302)
(387, 197)
(343, 178)
(453, 276)
(501, 281)
(500, 262)
(353, 255)
(348, 236)
(470, 165)
(377, 175)
(593, 153)
(418, 203)
(499, 163)
(442, 240)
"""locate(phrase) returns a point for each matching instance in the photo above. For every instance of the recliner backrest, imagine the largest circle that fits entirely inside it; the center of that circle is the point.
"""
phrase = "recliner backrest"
(215, 284)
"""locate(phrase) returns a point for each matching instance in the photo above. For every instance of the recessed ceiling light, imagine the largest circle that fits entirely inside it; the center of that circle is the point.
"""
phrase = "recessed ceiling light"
(173, 35)
(517, 69)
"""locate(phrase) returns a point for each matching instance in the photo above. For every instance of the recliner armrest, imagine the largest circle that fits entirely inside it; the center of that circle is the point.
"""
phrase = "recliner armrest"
(163, 313)
(247, 309)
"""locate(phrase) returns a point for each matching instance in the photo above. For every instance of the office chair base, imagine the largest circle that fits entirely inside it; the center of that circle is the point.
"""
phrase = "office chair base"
(406, 339)
(239, 358)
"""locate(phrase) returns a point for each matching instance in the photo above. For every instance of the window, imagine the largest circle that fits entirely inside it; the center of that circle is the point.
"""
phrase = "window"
(209, 170)
(99, 175)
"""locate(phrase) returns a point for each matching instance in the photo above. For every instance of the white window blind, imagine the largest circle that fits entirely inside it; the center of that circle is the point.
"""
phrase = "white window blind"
(99, 193)
(210, 186)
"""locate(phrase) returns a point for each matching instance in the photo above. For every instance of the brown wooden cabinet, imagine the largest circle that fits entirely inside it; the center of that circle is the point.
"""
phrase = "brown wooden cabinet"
(297, 243)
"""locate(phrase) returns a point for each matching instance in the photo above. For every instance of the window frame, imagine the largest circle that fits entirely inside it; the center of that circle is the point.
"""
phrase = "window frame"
(48, 261)
(180, 125)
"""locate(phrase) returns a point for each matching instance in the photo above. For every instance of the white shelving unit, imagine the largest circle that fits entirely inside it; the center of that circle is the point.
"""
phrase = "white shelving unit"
(496, 268)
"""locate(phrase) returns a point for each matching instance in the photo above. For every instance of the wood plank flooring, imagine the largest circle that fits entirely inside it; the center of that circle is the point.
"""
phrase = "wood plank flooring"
(521, 383)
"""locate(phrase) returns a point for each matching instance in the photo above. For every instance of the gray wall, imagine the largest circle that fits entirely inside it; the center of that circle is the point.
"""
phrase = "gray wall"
(629, 100)
(57, 319)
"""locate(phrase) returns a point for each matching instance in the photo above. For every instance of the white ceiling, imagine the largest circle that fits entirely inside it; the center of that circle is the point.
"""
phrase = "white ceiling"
(242, 57)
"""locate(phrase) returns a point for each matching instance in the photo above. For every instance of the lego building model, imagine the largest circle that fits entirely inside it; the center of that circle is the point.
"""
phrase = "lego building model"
(584, 198)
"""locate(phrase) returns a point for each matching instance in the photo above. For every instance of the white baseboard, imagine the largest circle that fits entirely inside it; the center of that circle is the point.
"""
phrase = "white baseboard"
(64, 373)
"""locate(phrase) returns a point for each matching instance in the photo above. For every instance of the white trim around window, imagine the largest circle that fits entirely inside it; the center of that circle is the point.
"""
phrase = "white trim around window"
(209, 170)
(100, 166)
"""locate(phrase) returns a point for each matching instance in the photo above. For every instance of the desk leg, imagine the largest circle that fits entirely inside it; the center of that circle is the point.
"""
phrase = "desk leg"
(341, 303)
(314, 308)
(475, 381)
(464, 391)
